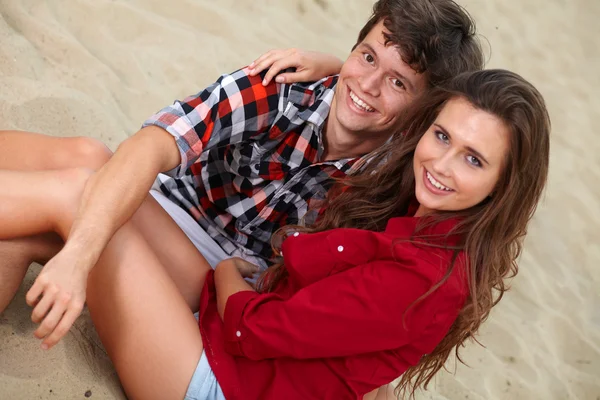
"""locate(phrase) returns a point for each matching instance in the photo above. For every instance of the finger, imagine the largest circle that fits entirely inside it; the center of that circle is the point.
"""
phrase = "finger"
(63, 327)
(259, 59)
(43, 306)
(273, 63)
(265, 55)
(251, 271)
(292, 77)
(277, 67)
(33, 295)
(51, 320)
(264, 61)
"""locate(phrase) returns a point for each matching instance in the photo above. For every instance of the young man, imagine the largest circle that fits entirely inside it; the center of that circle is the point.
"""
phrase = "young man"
(241, 159)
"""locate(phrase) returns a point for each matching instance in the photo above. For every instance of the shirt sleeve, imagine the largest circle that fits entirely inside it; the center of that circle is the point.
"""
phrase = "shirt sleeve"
(357, 311)
(235, 108)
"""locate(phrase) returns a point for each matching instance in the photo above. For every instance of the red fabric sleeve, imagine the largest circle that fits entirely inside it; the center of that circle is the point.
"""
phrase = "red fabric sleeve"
(356, 311)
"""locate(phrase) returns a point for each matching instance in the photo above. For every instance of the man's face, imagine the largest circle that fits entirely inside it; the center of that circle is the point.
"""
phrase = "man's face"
(374, 87)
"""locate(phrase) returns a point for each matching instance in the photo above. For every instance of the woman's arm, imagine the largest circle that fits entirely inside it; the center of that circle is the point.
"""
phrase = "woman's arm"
(310, 65)
(358, 311)
(229, 280)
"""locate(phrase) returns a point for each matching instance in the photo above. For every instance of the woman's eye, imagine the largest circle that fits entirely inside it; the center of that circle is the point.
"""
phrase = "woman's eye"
(474, 161)
(368, 58)
(442, 136)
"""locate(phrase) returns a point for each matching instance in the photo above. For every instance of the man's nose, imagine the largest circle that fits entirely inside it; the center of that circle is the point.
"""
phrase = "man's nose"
(371, 83)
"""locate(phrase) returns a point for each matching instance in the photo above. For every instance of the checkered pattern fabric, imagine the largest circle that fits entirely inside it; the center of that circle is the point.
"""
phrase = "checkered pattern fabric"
(250, 158)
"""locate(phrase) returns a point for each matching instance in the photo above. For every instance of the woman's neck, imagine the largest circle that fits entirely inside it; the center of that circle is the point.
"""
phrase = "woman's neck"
(422, 211)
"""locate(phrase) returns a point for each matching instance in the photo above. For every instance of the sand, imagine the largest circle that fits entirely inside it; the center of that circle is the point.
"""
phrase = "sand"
(99, 68)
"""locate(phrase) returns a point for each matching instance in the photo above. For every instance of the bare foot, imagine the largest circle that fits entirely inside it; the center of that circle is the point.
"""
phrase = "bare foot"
(16, 255)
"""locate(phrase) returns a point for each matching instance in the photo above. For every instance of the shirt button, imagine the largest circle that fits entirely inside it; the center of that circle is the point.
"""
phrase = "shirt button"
(238, 334)
(340, 248)
(296, 234)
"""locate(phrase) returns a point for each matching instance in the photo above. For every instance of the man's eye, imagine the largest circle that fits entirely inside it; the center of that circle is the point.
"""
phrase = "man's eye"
(368, 58)
(398, 83)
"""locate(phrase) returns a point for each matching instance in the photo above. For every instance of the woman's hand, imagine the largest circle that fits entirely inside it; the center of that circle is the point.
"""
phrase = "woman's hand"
(58, 296)
(245, 268)
(310, 65)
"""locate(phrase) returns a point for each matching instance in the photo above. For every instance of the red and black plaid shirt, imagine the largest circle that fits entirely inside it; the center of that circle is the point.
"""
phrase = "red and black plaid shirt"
(250, 158)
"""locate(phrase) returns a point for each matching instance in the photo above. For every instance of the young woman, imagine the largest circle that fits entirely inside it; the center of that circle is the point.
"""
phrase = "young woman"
(402, 268)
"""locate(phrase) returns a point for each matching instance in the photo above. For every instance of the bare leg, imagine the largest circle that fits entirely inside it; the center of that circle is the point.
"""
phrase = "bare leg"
(15, 257)
(141, 317)
(25, 151)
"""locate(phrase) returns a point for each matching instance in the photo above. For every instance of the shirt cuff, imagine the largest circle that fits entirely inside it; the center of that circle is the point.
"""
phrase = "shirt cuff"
(234, 311)
(168, 122)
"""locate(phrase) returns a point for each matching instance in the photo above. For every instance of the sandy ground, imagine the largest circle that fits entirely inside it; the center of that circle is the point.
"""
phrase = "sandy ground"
(99, 68)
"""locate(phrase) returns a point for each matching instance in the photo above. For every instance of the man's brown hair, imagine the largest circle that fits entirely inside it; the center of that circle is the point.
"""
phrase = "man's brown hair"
(435, 37)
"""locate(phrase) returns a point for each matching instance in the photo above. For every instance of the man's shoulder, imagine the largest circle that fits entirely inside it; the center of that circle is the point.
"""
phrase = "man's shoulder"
(241, 79)
(301, 94)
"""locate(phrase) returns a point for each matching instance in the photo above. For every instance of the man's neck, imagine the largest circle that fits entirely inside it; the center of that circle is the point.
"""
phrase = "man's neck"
(339, 146)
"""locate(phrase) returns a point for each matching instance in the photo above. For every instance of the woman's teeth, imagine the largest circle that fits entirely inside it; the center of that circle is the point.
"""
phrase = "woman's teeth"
(360, 104)
(436, 183)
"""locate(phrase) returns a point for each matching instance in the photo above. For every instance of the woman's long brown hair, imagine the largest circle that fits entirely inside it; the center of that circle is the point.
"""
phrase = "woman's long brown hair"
(492, 231)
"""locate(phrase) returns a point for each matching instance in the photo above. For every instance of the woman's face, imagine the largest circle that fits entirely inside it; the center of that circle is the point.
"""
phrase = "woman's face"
(459, 159)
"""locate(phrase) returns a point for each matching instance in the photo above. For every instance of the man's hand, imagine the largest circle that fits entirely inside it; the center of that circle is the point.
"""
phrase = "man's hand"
(58, 296)
(111, 196)
(310, 65)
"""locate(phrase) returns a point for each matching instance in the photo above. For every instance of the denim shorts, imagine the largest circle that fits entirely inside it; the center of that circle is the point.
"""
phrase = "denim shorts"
(204, 385)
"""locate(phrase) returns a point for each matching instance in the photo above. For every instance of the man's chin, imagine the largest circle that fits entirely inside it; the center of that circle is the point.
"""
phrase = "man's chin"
(359, 125)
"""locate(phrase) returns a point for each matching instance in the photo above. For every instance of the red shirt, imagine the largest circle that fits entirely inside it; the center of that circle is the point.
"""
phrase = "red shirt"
(334, 329)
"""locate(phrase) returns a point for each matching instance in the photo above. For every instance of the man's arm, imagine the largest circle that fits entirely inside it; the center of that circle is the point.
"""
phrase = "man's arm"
(110, 198)
(117, 190)
(233, 109)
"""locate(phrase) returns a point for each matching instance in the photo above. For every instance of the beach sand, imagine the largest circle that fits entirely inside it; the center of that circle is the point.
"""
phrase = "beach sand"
(99, 68)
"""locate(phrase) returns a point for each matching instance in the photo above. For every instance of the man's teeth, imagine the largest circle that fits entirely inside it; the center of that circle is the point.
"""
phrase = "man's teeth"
(436, 183)
(361, 104)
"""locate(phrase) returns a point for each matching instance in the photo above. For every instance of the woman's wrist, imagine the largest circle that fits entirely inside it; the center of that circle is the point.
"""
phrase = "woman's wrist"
(225, 265)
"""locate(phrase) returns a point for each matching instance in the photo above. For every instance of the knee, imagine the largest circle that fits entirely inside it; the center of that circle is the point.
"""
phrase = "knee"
(76, 179)
(88, 152)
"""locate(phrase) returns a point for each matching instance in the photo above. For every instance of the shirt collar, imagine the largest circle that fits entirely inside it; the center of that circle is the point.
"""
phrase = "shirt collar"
(404, 227)
(313, 101)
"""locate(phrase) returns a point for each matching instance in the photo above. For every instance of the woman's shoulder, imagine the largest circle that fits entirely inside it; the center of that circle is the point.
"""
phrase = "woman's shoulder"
(362, 246)
(433, 248)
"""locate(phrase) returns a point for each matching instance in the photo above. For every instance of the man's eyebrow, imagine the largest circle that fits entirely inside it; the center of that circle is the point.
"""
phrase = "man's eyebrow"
(469, 148)
(406, 82)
